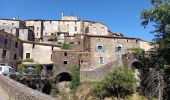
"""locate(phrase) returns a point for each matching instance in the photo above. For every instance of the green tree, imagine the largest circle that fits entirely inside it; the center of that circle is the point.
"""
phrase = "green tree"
(159, 16)
(120, 83)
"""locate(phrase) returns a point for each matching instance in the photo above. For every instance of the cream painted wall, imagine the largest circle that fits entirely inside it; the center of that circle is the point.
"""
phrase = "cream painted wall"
(40, 53)
(145, 45)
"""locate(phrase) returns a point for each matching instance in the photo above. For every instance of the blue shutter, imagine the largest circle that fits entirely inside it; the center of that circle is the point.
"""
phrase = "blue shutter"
(97, 48)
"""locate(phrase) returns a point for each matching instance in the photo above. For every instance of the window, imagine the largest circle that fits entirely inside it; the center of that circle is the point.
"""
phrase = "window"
(87, 30)
(75, 28)
(27, 55)
(65, 53)
(101, 60)
(0, 68)
(6, 41)
(64, 62)
(37, 28)
(136, 41)
(12, 23)
(15, 56)
(58, 33)
(100, 48)
(127, 40)
(3, 53)
(16, 44)
(37, 34)
(119, 48)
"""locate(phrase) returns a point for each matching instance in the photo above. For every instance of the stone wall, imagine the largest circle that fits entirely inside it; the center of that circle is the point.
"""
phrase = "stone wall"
(98, 73)
(19, 91)
(109, 50)
(10, 49)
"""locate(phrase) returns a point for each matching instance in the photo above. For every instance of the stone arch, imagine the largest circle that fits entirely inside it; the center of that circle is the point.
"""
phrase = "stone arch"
(138, 72)
(136, 65)
(63, 76)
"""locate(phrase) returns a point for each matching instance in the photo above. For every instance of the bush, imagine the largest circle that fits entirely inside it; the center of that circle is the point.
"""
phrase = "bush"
(75, 73)
(65, 46)
(37, 68)
(137, 50)
(20, 68)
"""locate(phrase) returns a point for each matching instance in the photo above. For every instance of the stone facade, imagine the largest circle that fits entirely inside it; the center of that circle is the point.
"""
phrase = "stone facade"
(92, 45)
(10, 49)
(104, 49)
(66, 59)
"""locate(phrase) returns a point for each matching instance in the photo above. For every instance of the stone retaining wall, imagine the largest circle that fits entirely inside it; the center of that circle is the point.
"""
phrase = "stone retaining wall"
(98, 73)
(19, 91)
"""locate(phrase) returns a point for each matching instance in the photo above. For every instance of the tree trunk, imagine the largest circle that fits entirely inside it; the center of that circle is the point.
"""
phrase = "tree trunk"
(159, 92)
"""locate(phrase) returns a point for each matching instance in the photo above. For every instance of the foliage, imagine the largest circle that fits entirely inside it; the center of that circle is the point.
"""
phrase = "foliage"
(20, 68)
(75, 81)
(120, 83)
(137, 50)
(25, 60)
(37, 68)
(159, 16)
(65, 46)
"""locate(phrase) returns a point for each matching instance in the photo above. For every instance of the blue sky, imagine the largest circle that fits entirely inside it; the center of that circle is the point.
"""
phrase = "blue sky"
(121, 16)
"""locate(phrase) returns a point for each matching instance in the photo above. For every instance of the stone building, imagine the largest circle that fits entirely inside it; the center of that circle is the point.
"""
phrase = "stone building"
(10, 49)
(17, 28)
(92, 44)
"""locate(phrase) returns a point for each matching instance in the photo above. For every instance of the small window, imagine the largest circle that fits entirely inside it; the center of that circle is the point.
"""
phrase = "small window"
(0, 68)
(37, 34)
(37, 28)
(75, 28)
(119, 48)
(33, 45)
(52, 34)
(4, 53)
(16, 44)
(99, 48)
(28, 55)
(6, 41)
(127, 40)
(15, 56)
(101, 60)
(65, 53)
(65, 62)
(136, 41)
(12, 23)
(58, 33)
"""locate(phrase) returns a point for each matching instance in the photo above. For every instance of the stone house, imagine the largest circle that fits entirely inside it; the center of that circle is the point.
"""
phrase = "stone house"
(10, 49)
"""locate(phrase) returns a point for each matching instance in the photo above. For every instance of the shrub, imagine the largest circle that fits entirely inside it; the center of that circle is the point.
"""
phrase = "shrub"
(75, 73)
(20, 68)
(65, 46)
